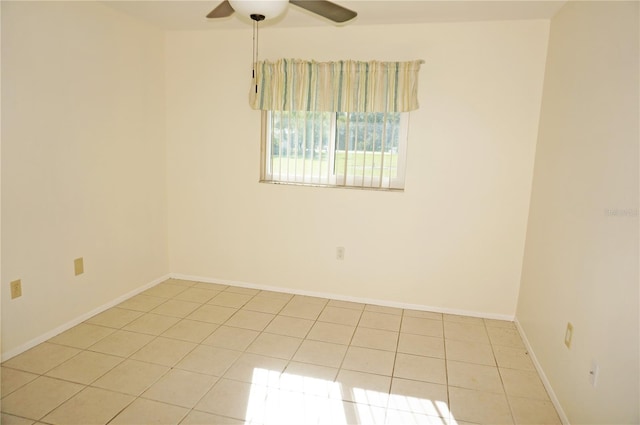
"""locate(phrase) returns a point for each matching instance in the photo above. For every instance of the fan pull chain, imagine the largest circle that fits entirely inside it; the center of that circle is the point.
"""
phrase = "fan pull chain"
(256, 19)
(254, 55)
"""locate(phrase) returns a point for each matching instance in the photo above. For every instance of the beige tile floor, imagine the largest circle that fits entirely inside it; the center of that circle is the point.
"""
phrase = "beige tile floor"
(197, 353)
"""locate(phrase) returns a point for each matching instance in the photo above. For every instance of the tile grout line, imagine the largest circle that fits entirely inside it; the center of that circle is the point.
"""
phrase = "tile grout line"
(304, 338)
(393, 369)
(446, 369)
(504, 389)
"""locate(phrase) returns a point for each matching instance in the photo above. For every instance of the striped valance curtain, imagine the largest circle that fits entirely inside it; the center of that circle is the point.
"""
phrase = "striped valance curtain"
(341, 86)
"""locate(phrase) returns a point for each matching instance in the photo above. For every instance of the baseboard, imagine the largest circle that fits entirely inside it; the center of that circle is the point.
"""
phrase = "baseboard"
(48, 335)
(383, 303)
(545, 380)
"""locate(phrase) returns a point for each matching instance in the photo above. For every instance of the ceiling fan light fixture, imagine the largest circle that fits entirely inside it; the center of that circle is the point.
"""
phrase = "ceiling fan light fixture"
(268, 8)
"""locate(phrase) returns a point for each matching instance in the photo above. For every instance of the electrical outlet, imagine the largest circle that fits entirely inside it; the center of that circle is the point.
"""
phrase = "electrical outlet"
(78, 266)
(568, 335)
(340, 253)
(16, 289)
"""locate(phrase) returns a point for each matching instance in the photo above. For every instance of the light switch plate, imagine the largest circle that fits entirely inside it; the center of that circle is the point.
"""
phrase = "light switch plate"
(78, 266)
(16, 289)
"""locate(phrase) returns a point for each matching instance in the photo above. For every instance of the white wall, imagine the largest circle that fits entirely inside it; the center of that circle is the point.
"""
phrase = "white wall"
(83, 162)
(453, 240)
(581, 257)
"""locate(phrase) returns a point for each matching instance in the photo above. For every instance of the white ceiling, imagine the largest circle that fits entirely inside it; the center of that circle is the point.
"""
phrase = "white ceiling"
(191, 15)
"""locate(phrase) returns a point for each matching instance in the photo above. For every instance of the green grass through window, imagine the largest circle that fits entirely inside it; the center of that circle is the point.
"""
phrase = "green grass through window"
(359, 164)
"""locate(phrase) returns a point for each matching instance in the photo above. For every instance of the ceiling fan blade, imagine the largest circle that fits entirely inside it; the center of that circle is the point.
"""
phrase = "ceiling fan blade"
(325, 8)
(223, 10)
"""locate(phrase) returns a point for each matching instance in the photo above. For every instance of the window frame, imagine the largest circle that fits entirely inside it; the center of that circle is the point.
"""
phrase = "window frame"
(336, 179)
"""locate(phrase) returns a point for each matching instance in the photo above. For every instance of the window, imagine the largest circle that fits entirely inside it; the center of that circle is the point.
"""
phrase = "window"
(340, 123)
(355, 149)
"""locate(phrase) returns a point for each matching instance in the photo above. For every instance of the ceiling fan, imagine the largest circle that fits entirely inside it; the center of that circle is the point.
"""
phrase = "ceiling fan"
(272, 8)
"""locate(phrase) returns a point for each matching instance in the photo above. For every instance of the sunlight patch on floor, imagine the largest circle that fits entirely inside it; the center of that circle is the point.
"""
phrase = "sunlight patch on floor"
(284, 398)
